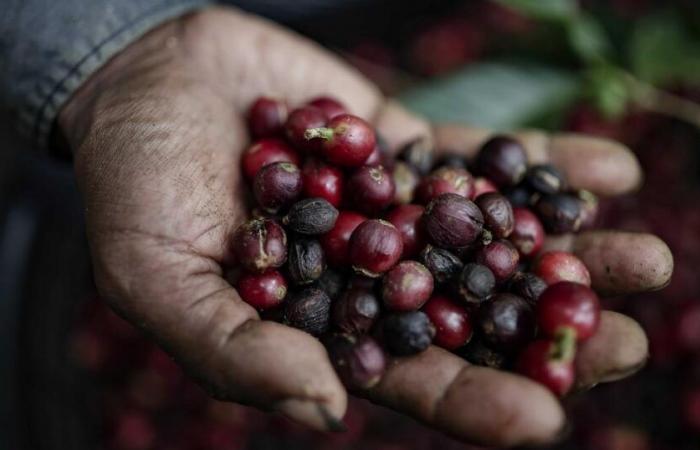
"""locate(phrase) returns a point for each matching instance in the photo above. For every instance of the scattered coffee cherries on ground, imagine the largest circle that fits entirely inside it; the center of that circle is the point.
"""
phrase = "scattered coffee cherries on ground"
(379, 255)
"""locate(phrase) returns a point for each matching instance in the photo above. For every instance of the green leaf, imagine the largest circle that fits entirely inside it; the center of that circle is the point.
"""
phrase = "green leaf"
(588, 38)
(663, 50)
(499, 95)
(544, 9)
(607, 88)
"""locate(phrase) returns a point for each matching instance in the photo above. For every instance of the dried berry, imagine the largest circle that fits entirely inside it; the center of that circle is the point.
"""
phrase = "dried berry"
(452, 322)
(306, 262)
(528, 286)
(370, 189)
(407, 286)
(507, 322)
(528, 232)
(262, 290)
(477, 352)
(500, 257)
(260, 244)
(476, 283)
(309, 310)
(441, 263)
(311, 216)
(375, 247)
(498, 214)
(452, 221)
(322, 181)
(545, 179)
(407, 219)
(405, 180)
(359, 361)
(502, 160)
(418, 154)
(277, 185)
(560, 213)
(407, 333)
(356, 311)
(332, 282)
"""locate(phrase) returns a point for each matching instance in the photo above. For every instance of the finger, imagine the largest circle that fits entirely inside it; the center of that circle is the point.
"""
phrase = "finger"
(472, 403)
(620, 262)
(617, 350)
(399, 126)
(598, 165)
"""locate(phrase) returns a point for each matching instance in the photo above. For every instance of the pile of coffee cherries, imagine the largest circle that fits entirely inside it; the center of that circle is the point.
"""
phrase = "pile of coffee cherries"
(378, 255)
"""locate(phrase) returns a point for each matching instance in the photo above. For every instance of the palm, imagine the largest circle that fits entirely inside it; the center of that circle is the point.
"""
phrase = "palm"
(159, 168)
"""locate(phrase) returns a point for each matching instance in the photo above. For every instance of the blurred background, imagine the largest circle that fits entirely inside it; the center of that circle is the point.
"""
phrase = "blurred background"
(75, 376)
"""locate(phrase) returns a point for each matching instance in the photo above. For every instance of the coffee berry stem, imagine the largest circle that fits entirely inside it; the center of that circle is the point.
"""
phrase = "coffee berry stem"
(320, 132)
(564, 349)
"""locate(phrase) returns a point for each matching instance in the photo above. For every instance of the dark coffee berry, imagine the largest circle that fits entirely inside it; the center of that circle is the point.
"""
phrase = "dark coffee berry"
(370, 189)
(346, 140)
(358, 361)
(477, 352)
(452, 221)
(299, 121)
(262, 290)
(443, 181)
(520, 196)
(452, 322)
(498, 214)
(500, 257)
(305, 262)
(407, 219)
(545, 179)
(264, 152)
(277, 185)
(407, 286)
(560, 213)
(528, 286)
(528, 232)
(476, 283)
(311, 216)
(442, 264)
(588, 202)
(309, 310)
(260, 244)
(266, 117)
(507, 322)
(336, 243)
(363, 282)
(418, 153)
(332, 282)
(330, 106)
(454, 160)
(482, 186)
(321, 180)
(502, 160)
(407, 333)
(375, 247)
(356, 310)
(405, 180)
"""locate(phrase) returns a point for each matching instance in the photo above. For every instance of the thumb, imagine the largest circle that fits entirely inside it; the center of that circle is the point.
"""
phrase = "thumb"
(398, 126)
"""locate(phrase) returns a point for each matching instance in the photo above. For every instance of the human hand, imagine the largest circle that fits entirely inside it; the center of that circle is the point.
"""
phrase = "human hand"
(157, 134)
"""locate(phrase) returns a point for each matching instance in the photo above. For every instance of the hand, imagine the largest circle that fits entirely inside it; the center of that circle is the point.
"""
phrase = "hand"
(157, 134)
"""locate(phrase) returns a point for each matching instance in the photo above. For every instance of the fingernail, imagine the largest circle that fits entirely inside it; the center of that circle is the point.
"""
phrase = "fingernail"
(310, 413)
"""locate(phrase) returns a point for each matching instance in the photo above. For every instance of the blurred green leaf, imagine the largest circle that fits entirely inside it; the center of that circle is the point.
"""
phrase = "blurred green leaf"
(588, 38)
(663, 50)
(544, 9)
(608, 90)
(498, 95)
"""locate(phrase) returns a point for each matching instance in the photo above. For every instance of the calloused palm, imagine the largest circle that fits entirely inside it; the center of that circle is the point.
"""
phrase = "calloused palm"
(157, 134)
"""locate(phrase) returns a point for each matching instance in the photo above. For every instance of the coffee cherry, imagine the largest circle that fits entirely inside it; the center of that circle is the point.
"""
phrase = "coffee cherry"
(548, 364)
(277, 186)
(300, 120)
(311, 216)
(262, 290)
(356, 311)
(407, 333)
(500, 257)
(266, 117)
(336, 242)
(454, 160)
(419, 154)
(405, 179)
(442, 264)
(477, 352)
(442, 181)
(346, 140)
(502, 160)
(331, 282)
(376, 158)
(545, 179)
(557, 266)
(528, 233)
(407, 219)
(375, 247)
(407, 286)
(259, 245)
(507, 322)
(359, 361)
(588, 203)
(568, 305)
(560, 213)
(330, 106)
(452, 221)
(453, 327)
(322, 181)
(370, 189)
(498, 214)
(521, 196)
(306, 262)
(264, 152)
(308, 310)
(528, 286)
(482, 186)
(476, 283)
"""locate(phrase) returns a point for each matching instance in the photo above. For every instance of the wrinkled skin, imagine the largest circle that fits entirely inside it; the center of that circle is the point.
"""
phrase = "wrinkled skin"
(157, 134)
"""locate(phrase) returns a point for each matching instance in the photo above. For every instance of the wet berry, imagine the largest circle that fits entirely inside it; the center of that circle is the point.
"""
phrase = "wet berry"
(521, 196)
(375, 247)
(502, 160)
(407, 286)
(300, 120)
(260, 244)
(323, 181)
(498, 214)
(452, 221)
(568, 305)
(407, 333)
(370, 189)
(453, 327)
(356, 311)
(266, 117)
(277, 186)
(560, 213)
(557, 266)
(506, 323)
(528, 232)
(264, 152)
(346, 140)
(359, 361)
(528, 286)
(262, 291)
(500, 257)
(407, 219)
(548, 364)
(482, 186)
(545, 179)
(442, 181)
(336, 242)
(442, 264)
(476, 283)
(330, 106)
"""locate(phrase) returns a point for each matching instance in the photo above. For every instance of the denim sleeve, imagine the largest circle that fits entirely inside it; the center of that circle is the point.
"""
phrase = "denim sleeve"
(49, 47)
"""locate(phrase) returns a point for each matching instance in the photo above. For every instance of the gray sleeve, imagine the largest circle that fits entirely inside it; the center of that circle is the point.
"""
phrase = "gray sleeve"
(49, 47)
